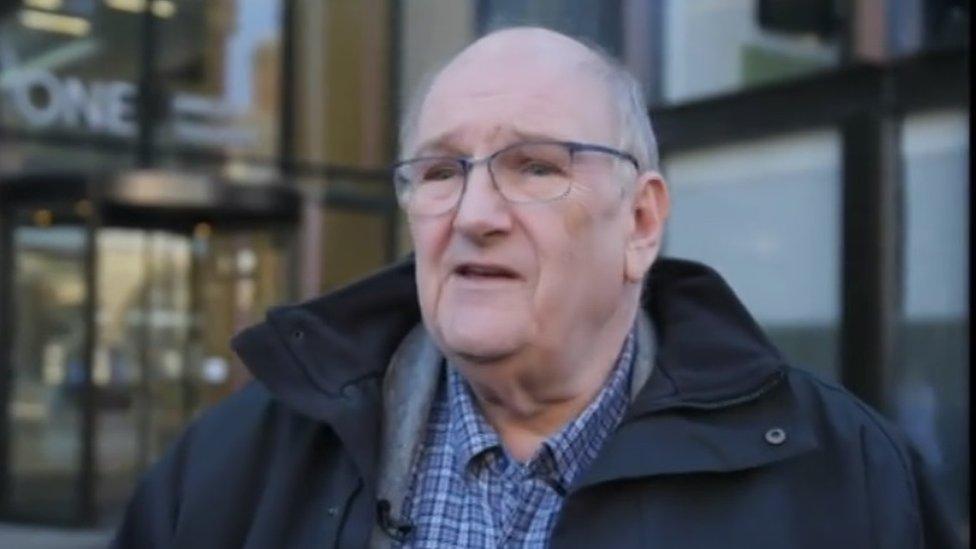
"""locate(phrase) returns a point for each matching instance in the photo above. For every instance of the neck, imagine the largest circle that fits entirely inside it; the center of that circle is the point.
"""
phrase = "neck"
(529, 397)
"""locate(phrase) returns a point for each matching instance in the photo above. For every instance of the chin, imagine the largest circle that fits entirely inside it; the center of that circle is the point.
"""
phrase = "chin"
(482, 330)
(483, 345)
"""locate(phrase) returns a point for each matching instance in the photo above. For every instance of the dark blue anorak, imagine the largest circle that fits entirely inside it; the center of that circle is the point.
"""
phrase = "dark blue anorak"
(726, 446)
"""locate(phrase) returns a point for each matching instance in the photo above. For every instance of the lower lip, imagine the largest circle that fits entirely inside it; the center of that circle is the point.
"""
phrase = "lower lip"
(485, 280)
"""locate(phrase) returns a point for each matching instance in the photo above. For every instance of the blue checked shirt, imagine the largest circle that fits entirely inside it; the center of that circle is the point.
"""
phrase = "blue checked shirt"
(468, 492)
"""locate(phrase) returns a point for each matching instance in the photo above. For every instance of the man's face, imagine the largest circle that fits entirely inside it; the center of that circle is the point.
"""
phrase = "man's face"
(497, 278)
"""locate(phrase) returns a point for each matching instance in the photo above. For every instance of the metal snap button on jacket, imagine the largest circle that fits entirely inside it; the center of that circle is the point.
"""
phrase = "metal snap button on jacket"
(775, 436)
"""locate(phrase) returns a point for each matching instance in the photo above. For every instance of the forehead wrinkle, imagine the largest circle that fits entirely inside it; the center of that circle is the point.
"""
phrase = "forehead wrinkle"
(448, 140)
(524, 76)
(535, 115)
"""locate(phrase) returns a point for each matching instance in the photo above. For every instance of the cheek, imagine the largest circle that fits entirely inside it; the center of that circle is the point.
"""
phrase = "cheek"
(429, 240)
(576, 219)
(590, 244)
(563, 246)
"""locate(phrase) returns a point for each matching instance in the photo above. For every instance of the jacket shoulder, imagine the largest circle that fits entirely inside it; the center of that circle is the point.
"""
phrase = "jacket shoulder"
(238, 413)
(846, 425)
(240, 434)
(874, 456)
(216, 468)
(836, 412)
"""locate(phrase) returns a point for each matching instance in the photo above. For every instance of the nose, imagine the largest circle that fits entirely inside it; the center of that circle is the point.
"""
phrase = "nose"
(483, 213)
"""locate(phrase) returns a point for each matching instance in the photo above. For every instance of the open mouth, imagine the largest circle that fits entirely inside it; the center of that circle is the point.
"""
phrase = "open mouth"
(476, 271)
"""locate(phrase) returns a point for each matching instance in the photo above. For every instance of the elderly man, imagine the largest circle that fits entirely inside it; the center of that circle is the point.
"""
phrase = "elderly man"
(532, 377)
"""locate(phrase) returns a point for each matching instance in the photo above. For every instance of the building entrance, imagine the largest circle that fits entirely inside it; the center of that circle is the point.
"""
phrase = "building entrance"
(119, 294)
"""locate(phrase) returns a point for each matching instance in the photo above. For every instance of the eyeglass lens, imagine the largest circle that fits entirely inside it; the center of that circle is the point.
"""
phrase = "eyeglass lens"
(527, 172)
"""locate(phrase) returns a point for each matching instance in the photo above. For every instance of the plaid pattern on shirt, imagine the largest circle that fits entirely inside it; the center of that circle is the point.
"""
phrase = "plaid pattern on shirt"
(468, 492)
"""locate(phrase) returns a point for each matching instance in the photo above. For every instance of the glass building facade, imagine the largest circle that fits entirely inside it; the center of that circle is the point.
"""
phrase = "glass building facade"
(816, 154)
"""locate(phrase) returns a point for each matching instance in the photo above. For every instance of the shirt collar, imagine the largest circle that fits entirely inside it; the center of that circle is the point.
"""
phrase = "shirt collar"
(563, 455)
(469, 431)
(577, 444)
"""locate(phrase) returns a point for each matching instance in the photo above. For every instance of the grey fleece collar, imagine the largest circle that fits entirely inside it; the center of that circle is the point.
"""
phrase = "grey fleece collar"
(409, 387)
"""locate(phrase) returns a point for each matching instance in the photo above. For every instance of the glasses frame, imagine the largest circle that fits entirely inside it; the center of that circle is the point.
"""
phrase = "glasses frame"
(468, 163)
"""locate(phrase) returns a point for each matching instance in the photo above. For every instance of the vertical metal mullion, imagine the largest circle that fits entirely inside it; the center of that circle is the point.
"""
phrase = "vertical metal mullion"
(144, 413)
(396, 76)
(872, 250)
(188, 398)
(148, 98)
(88, 473)
(658, 52)
(392, 235)
(286, 114)
(6, 349)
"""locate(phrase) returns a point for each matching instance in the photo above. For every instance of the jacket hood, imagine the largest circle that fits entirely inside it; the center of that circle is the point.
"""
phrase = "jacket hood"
(311, 356)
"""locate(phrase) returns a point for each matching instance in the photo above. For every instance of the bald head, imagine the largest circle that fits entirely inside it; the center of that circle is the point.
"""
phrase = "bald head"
(535, 62)
(526, 45)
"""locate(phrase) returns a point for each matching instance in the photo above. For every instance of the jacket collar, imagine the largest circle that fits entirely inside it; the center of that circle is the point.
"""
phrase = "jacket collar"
(711, 356)
(325, 358)
(710, 352)
(766, 427)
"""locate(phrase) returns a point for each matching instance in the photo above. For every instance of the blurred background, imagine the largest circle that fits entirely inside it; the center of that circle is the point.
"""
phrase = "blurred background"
(169, 169)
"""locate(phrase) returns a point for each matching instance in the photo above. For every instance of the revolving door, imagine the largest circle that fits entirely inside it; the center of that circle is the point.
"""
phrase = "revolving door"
(119, 294)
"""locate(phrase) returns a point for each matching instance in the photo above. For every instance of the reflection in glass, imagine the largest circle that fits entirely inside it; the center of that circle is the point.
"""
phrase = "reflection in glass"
(766, 215)
(79, 83)
(115, 371)
(354, 245)
(931, 400)
(219, 63)
(717, 47)
(143, 320)
(597, 21)
(49, 364)
(237, 276)
(167, 305)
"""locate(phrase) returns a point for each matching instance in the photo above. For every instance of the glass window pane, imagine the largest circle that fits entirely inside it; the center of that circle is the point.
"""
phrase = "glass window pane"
(917, 25)
(931, 395)
(143, 321)
(597, 21)
(343, 91)
(69, 69)
(219, 65)
(766, 215)
(49, 362)
(431, 32)
(713, 47)
(237, 275)
(116, 371)
(168, 318)
(354, 245)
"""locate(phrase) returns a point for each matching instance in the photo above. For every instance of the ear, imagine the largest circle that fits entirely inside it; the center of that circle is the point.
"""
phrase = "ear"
(649, 208)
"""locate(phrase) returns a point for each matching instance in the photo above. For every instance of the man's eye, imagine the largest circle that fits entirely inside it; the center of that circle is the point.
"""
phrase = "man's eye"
(440, 173)
(539, 169)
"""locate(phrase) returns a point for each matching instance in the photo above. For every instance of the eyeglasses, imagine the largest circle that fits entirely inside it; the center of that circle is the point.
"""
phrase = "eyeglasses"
(528, 171)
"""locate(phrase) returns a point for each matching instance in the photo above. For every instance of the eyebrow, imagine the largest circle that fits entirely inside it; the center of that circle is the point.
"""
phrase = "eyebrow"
(439, 143)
